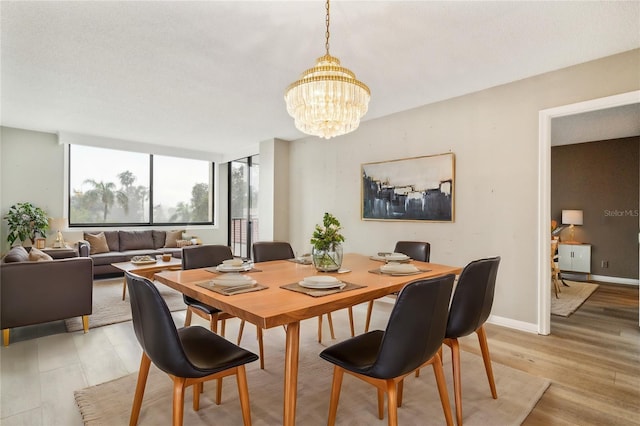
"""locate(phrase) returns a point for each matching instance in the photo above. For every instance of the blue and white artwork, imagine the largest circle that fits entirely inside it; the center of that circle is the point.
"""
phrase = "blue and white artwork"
(420, 189)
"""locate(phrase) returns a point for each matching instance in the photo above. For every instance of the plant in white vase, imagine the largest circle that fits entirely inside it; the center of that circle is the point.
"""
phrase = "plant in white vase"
(327, 244)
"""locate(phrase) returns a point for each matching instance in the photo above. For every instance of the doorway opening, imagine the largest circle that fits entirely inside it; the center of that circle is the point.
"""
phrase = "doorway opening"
(544, 190)
(244, 183)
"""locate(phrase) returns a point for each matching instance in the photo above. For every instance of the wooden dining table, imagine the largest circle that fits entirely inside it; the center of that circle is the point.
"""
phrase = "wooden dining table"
(276, 306)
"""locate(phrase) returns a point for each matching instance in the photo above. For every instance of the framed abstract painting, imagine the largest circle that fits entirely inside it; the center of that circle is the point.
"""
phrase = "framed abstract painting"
(414, 189)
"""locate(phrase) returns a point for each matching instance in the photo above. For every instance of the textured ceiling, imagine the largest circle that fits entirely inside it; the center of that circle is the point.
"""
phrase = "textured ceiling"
(211, 75)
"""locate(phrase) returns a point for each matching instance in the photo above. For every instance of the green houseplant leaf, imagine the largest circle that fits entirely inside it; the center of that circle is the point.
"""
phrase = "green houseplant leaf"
(26, 221)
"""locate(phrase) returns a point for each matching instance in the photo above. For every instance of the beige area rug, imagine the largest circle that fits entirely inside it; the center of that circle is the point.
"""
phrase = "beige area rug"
(571, 298)
(109, 308)
(518, 392)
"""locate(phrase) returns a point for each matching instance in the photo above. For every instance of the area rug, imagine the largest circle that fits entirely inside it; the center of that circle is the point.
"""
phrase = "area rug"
(571, 298)
(109, 308)
(518, 392)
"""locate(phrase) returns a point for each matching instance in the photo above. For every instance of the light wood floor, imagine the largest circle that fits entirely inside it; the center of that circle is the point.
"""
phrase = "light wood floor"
(591, 357)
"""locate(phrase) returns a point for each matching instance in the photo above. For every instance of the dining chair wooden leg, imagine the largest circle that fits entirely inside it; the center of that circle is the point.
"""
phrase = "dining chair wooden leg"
(5, 336)
(240, 331)
(368, 319)
(187, 318)
(457, 381)
(400, 392)
(351, 323)
(197, 390)
(145, 363)
(330, 321)
(438, 371)
(213, 323)
(219, 391)
(486, 357)
(223, 325)
(243, 392)
(335, 394)
(178, 400)
(380, 403)
(260, 347)
(392, 402)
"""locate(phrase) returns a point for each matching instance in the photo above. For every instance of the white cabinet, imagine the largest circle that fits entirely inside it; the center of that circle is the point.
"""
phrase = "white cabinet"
(574, 257)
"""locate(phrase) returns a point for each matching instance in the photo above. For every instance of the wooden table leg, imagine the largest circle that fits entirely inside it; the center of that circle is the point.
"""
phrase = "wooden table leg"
(124, 287)
(291, 373)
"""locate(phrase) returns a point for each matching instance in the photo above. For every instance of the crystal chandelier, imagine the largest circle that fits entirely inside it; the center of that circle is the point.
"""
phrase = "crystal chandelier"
(328, 100)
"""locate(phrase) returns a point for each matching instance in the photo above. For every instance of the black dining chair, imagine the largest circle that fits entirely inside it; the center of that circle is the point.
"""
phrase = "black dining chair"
(190, 355)
(265, 251)
(416, 250)
(470, 308)
(412, 339)
(203, 256)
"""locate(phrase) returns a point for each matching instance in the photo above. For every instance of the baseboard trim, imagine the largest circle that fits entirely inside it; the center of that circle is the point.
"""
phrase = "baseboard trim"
(602, 278)
(615, 280)
(515, 324)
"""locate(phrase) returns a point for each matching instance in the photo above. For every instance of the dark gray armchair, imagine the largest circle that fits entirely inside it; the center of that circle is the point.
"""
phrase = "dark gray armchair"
(50, 290)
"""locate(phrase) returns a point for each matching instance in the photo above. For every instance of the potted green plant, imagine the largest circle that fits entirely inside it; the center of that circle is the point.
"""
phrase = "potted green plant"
(26, 221)
(327, 244)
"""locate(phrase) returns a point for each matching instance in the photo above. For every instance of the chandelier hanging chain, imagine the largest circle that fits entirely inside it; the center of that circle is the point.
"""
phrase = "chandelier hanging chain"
(327, 34)
(327, 100)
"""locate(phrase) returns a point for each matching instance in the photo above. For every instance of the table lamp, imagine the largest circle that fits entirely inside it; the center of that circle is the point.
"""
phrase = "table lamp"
(57, 224)
(571, 218)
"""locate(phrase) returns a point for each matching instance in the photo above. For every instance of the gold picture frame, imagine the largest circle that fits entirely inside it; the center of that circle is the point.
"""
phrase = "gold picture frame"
(420, 189)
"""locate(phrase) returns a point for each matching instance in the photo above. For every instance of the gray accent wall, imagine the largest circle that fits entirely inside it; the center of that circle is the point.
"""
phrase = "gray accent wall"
(601, 179)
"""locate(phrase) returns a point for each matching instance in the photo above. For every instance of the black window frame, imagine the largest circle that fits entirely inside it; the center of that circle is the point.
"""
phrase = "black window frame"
(151, 222)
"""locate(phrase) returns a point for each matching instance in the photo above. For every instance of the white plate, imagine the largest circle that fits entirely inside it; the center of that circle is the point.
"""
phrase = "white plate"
(398, 268)
(235, 282)
(322, 286)
(230, 268)
(232, 262)
(321, 279)
(395, 257)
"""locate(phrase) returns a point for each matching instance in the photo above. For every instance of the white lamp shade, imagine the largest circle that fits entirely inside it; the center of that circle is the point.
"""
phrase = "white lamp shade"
(572, 217)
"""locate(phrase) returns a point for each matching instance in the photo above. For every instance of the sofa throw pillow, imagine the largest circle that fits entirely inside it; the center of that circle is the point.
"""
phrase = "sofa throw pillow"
(171, 241)
(98, 243)
(36, 255)
(16, 254)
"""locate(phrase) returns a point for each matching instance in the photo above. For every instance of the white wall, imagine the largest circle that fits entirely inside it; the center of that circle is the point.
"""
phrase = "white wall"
(273, 196)
(494, 136)
(33, 170)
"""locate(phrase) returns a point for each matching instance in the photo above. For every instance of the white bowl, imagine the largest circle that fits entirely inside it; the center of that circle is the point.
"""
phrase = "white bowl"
(232, 262)
(398, 268)
(396, 257)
